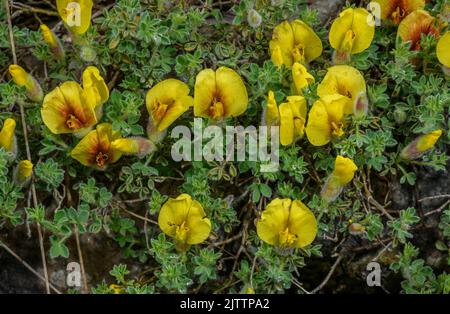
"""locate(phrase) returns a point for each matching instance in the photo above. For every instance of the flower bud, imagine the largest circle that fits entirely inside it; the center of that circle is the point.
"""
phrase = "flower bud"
(23, 172)
(53, 42)
(88, 53)
(7, 137)
(400, 116)
(254, 19)
(420, 145)
(133, 145)
(22, 78)
(343, 173)
(361, 105)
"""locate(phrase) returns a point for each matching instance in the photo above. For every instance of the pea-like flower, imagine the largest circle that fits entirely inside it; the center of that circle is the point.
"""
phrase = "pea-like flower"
(421, 145)
(343, 173)
(103, 146)
(397, 10)
(67, 109)
(326, 119)
(414, 25)
(351, 33)
(219, 94)
(290, 116)
(301, 77)
(53, 42)
(97, 91)
(22, 78)
(294, 42)
(287, 223)
(23, 172)
(166, 102)
(76, 14)
(443, 51)
(184, 219)
(7, 137)
(346, 81)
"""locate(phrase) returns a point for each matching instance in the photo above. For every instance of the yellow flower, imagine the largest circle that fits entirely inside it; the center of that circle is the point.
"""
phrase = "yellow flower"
(292, 119)
(94, 85)
(53, 42)
(421, 145)
(414, 25)
(344, 170)
(76, 14)
(343, 173)
(351, 33)
(443, 49)
(287, 223)
(346, 81)
(184, 220)
(67, 109)
(22, 78)
(7, 138)
(23, 172)
(220, 94)
(116, 289)
(271, 114)
(166, 102)
(294, 42)
(397, 10)
(326, 119)
(302, 78)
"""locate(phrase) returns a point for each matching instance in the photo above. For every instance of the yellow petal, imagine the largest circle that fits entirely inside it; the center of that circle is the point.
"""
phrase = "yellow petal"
(274, 220)
(87, 149)
(97, 91)
(298, 108)
(286, 124)
(397, 10)
(277, 56)
(186, 213)
(7, 134)
(344, 80)
(231, 91)
(283, 39)
(302, 78)
(427, 141)
(125, 145)
(344, 170)
(356, 21)
(414, 25)
(318, 129)
(443, 49)
(167, 101)
(271, 114)
(219, 94)
(76, 14)
(305, 36)
(48, 36)
(302, 223)
(66, 109)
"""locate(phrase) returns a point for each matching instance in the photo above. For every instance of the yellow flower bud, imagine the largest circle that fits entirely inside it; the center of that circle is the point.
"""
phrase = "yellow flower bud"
(52, 41)
(302, 78)
(7, 140)
(343, 173)
(421, 145)
(22, 78)
(23, 172)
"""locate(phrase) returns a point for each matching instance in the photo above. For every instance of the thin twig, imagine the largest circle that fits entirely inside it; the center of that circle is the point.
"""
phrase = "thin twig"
(27, 266)
(327, 278)
(27, 146)
(437, 210)
(435, 197)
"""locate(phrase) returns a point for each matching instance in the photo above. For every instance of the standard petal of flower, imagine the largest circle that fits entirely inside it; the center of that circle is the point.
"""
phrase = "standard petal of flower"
(173, 213)
(232, 92)
(443, 49)
(302, 223)
(305, 35)
(199, 226)
(76, 14)
(271, 115)
(86, 150)
(204, 93)
(414, 25)
(318, 129)
(427, 141)
(283, 37)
